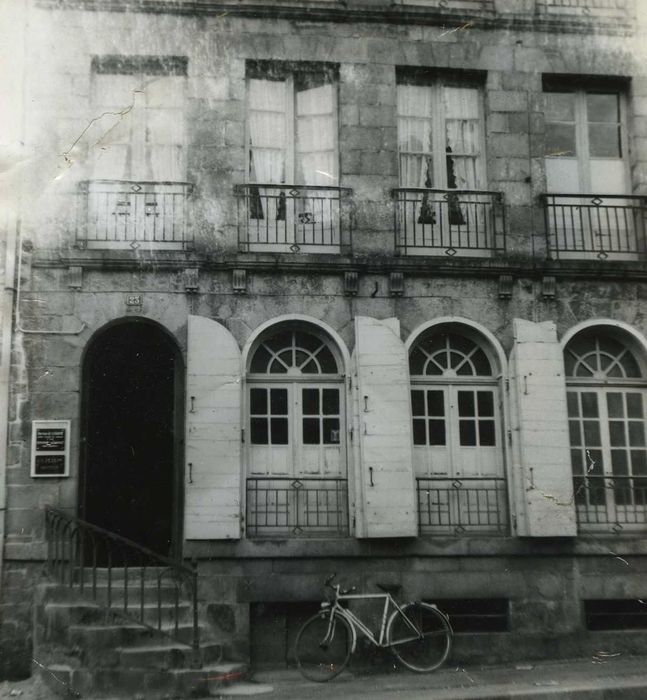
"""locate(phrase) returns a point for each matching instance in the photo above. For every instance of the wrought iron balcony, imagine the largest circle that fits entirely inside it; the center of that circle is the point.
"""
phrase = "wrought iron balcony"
(448, 222)
(128, 214)
(603, 227)
(462, 506)
(611, 504)
(296, 507)
(294, 218)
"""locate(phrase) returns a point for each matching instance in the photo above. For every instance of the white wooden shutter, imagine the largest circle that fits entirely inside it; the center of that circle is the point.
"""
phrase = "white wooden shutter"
(385, 440)
(545, 489)
(213, 433)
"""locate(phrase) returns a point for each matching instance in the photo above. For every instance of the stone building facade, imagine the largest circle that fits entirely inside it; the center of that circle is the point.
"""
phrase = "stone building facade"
(351, 287)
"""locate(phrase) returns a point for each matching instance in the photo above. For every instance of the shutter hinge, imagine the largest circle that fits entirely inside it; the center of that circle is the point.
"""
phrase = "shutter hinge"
(507, 384)
(242, 435)
(350, 433)
(350, 381)
(509, 437)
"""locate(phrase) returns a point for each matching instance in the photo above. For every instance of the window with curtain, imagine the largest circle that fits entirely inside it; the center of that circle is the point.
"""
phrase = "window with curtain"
(140, 101)
(292, 125)
(440, 135)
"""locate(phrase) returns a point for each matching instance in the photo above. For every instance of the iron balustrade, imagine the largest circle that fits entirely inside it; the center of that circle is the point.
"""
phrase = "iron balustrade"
(124, 213)
(302, 507)
(449, 222)
(595, 226)
(472, 505)
(611, 504)
(294, 218)
(123, 578)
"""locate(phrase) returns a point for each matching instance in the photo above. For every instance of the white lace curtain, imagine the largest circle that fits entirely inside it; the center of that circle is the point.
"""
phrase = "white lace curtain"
(272, 140)
(427, 159)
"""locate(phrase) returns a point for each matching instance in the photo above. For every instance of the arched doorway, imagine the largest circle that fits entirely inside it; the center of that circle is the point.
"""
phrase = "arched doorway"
(130, 436)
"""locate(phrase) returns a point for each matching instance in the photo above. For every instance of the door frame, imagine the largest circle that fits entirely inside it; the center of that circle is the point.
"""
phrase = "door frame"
(177, 513)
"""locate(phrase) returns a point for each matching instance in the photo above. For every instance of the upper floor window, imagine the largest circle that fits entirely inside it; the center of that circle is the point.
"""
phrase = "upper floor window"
(585, 141)
(292, 124)
(440, 133)
(141, 103)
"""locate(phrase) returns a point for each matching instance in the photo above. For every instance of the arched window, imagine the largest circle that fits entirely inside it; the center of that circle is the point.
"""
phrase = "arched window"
(457, 441)
(606, 394)
(296, 452)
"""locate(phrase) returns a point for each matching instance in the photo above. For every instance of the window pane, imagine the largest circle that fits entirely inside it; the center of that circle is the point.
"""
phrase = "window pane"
(279, 402)
(258, 401)
(589, 405)
(327, 361)
(591, 433)
(486, 433)
(258, 431)
(560, 140)
(485, 403)
(311, 402)
(573, 404)
(418, 403)
(437, 432)
(577, 462)
(331, 431)
(639, 462)
(617, 433)
(330, 402)
(435, 403)
(602, 108)
(636, 433)
(615, 405)
(279, 431)
(604, 141)
(419, 433)
(416, 362)
(574, 432)
(467, 433)
(311, 431)
(465, 403)
(635, 405)
(560, 106)
(594, 463)
(619, 462)
(260, 360)
(481, 363)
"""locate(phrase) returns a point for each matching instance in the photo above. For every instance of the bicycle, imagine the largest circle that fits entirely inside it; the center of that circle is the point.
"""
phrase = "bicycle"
(417, 633)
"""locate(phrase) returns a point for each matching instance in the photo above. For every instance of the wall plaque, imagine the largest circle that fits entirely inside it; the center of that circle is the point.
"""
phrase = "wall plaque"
(50, 448)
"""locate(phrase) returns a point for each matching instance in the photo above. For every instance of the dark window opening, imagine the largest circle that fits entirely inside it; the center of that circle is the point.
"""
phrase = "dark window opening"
(616, 614)
(468, 615)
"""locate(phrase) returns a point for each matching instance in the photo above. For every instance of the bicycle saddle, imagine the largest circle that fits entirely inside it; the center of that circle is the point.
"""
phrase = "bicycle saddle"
(391, 588)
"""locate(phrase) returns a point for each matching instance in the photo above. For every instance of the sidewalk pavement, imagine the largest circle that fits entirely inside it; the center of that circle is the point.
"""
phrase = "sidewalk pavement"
(602, 677)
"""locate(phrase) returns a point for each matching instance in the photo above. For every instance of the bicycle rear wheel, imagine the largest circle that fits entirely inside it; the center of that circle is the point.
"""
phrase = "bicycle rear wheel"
(323, 647)
(426, 648)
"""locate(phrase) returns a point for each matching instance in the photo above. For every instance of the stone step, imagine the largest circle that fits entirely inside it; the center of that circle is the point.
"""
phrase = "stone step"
(62, 615)
(166, 656)
(146, 684)
(126, 634)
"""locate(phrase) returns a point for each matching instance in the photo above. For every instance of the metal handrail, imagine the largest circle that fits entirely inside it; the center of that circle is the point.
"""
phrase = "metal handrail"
(76, 547)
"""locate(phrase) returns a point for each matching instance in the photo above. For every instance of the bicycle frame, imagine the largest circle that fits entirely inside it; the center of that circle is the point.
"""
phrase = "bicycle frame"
(356, 623)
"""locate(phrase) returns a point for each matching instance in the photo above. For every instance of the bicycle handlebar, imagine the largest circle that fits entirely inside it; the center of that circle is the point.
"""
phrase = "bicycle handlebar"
(337, 588)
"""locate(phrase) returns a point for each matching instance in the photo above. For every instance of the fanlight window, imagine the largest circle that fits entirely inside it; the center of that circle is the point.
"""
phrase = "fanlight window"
(600, 357)
(293, 353)
(447, 355)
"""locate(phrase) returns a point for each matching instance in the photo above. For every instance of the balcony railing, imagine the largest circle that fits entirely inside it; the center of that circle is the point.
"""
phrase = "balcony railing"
(448, 222)
(462, 506)
(595, 226)
(293, 507)
(612, 504)
(294, 218)
(127, 214)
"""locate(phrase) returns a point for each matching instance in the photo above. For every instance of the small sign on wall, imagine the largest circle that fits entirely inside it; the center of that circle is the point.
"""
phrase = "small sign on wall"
(50, 448)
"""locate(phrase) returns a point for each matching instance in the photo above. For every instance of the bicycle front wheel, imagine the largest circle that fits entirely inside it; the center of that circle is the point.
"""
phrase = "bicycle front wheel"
(426, 647)
(323, 646)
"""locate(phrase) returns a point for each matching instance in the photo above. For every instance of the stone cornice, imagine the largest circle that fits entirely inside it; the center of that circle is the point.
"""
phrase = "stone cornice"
(340, 12)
